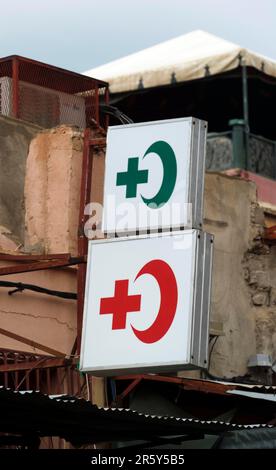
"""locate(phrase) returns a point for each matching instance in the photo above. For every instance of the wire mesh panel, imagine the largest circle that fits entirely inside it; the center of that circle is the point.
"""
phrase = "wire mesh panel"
(48, 96)
(6, 91)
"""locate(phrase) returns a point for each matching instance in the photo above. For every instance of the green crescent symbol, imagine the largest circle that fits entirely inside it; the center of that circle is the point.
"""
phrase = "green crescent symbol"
(167, 156)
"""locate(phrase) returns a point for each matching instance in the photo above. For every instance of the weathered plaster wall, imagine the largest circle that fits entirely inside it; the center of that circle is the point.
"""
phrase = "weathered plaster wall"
(52, 196)
(15, 137)
(50, 321)
(260, 276)
(227, 215)
(50, 177)
(244, 282)
(52, 191)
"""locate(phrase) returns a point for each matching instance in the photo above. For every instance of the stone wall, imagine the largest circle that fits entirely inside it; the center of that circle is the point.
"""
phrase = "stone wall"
(244, 276)
(260, 276)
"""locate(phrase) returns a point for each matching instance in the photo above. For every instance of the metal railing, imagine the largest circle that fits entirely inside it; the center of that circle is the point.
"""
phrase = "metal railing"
(240, 149)
(50, 375)
(49, 96)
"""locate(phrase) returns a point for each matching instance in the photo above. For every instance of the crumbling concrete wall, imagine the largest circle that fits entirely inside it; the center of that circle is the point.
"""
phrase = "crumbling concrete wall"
(227, 216)
(50, 321)
(244, 282)
(15, 137)
(50, 178)
(52, 199)
(260, 275)
(52, 191)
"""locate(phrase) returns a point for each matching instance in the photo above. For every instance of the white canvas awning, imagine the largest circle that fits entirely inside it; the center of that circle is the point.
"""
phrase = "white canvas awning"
(180, 59)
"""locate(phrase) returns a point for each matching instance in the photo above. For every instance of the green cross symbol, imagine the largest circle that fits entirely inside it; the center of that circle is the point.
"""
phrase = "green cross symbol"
(132, 177)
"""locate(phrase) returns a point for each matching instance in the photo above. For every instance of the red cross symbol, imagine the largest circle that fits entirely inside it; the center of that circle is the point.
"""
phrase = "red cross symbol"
(120, 304)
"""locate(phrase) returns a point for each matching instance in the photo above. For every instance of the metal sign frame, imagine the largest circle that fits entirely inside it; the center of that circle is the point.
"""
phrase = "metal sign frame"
(198, 315)
(187, 138)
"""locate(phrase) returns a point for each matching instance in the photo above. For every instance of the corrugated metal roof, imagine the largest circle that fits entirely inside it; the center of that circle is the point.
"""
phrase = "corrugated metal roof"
(240, 384)
(69, 399)
(78, 421)
(257, 395)
(190, 420)
(253, 386)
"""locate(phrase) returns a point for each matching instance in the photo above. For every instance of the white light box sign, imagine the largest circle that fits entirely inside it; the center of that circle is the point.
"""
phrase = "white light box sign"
(154, 176)
(147, 303)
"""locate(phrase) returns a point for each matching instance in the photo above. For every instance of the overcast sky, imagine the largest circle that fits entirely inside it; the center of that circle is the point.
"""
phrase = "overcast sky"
(81, 34)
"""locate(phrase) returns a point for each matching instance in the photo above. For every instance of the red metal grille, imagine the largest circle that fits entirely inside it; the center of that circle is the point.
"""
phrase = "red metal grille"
(27, 371)
(49, 96)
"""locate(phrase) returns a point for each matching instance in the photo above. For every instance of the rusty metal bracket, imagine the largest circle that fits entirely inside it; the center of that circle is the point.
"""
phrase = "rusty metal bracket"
(98, 142)
(128, 389)
(32, 343)
(86, 182)
(47, 363)
(41, 265)
(30, 257)
(186, 383)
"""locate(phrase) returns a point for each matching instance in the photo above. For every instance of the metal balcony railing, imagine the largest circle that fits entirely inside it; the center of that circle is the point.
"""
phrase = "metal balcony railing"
(238, 148)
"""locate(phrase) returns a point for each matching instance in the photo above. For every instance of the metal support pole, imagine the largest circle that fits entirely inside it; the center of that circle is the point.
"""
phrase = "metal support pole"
(86, 183)
(238, 143)
(87, 164)
(245, 113)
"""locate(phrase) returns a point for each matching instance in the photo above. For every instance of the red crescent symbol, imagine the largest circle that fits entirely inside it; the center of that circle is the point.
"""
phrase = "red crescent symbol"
(165, 277)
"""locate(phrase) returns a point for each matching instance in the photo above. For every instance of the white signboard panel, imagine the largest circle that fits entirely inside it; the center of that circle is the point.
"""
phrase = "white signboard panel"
(154, 176)
(147, 303)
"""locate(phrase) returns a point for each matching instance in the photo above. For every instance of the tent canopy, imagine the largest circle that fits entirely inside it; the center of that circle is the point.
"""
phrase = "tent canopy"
(187, 57)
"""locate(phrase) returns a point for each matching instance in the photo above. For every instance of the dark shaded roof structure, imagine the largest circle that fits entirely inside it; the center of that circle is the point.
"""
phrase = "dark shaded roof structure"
(32, 415)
